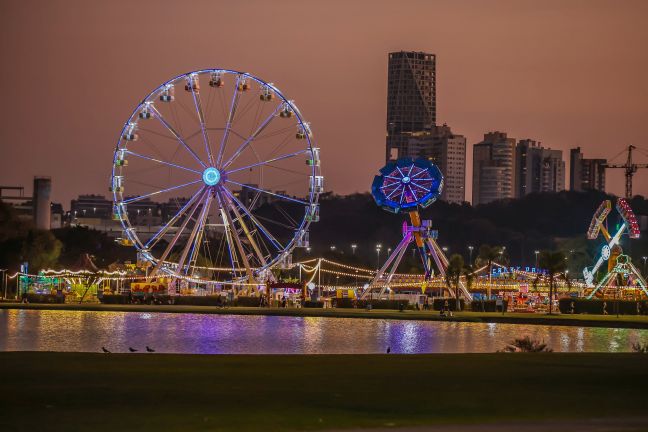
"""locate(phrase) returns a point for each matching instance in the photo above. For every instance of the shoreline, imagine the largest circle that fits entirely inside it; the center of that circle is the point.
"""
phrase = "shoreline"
(582, 320)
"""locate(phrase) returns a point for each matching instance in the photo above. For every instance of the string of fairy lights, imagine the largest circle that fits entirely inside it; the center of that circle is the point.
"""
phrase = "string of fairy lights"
(314, 267)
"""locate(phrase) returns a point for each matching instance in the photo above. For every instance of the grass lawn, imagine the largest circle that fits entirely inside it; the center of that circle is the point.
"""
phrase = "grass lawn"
(114, 392)
(623, 321)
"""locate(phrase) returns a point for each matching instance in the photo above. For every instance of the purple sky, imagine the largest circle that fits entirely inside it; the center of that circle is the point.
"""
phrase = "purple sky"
(566, 73)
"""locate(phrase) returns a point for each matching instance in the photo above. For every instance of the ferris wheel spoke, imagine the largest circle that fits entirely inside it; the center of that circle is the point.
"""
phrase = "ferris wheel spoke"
(193, 236)
(247, 232)
(251, 138)
(259, 225)
(230, 118)
(268, 192)
(141, 197)
(201, 120)
(161, 161)
(178, 234)
(278, 158)
(173, 132)
(160, 234)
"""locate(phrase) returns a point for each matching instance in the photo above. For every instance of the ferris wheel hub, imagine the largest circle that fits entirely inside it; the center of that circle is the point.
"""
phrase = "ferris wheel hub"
(211, 176)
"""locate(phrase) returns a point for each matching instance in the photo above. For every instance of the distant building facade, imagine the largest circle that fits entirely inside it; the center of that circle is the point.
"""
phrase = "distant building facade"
(411, 99)
(493, 168)
(585, 174)
(537, 169)
(448, 151)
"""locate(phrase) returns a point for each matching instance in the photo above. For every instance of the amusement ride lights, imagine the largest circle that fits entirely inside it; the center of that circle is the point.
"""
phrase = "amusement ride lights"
(200, 163)
(407, 185)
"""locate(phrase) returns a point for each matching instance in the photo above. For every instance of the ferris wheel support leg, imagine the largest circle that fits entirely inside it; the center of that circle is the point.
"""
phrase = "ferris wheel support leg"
(161, 233)
(173, 241)
(243, 225)
(239, 245)
(263, 229)
(193, 240)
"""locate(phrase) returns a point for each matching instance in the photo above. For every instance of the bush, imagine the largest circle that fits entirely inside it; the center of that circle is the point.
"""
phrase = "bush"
(313, 304)
(486, 306)
(595, 307)
(438, 304)
(386, 304)
(115, 299)
(45, 298)
(247, 301)
(198, 300)
(347, 303)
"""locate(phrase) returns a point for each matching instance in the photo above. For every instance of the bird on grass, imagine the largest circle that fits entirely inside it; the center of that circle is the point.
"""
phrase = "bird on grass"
(105, 350)
(388, 350)
(131, 349)
(149, 349)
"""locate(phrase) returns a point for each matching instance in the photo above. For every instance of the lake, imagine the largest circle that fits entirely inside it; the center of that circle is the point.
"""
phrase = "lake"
(88, 331)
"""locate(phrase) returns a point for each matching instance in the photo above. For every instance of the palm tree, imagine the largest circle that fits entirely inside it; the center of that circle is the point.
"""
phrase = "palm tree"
(555, 264)
(489, 254)
(453, 274)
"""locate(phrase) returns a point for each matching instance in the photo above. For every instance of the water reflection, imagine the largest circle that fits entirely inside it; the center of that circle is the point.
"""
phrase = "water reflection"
(31, 330)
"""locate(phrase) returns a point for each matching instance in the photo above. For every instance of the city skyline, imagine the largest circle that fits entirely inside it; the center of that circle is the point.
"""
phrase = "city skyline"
(543, 84)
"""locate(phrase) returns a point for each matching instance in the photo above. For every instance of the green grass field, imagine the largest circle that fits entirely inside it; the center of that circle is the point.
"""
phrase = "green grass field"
(152, 392)
(623, 321)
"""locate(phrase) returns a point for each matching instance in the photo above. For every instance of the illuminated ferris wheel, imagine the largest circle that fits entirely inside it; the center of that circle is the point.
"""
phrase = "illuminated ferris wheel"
(215, 177)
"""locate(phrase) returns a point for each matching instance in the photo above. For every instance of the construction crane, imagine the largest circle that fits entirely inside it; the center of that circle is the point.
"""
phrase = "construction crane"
(630, 169)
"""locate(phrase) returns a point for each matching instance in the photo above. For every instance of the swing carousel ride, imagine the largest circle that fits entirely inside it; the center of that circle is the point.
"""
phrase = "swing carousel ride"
(408, 185)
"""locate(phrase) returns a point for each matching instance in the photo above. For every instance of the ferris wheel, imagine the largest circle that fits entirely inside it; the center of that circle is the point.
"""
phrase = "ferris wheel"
(215, 178)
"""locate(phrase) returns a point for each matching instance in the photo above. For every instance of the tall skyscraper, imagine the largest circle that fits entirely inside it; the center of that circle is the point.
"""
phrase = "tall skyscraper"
(585, 174)
(493, 168)
(411, 99)
(448, 152)
(537, 169)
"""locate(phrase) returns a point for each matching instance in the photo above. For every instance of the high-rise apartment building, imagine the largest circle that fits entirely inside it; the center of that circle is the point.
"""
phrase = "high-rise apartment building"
(493, 168)
(537, 169)
(448, 151)
(411, 99)
(585, 174)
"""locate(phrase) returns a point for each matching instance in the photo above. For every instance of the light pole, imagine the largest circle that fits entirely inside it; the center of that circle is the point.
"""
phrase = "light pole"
(470, 248)
(536, 257)
(644, 266)
(332, 248)
(353, 248)
(378, 248)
